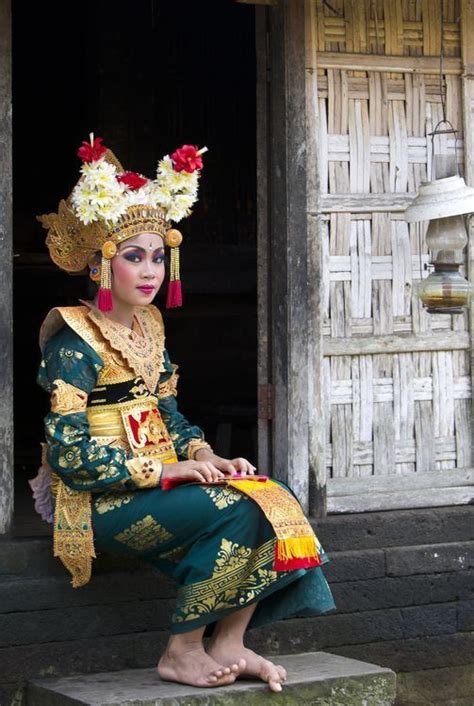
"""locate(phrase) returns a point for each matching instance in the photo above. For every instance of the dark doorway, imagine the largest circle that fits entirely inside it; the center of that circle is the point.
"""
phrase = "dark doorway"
(147, 77)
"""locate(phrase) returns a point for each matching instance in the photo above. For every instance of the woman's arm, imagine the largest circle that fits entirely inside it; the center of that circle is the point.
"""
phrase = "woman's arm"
(69, 372)
(187, 438)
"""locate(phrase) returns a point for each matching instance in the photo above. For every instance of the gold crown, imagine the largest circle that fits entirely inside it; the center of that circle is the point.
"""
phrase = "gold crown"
(71, 243)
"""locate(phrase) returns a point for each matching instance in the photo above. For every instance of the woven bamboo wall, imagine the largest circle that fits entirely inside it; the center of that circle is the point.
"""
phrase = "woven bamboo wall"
(397, 379)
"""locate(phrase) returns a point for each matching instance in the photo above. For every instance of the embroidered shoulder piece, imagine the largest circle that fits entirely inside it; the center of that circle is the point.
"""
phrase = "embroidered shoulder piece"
(143, 353)
(67, 399)
(76, 318)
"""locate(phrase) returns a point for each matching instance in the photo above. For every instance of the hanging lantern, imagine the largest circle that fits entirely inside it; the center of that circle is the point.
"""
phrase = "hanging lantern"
(444, 202)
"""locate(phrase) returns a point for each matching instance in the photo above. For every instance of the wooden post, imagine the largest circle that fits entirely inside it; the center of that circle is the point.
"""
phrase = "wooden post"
(317, 455)
(467, 54)
(265, 411)
(289, 247)
(6, 313)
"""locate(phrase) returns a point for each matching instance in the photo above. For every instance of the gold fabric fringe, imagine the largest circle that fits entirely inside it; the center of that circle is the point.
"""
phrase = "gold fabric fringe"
(295, 536)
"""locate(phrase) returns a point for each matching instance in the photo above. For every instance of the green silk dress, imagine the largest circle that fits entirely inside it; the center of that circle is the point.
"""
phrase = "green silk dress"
(214, 541)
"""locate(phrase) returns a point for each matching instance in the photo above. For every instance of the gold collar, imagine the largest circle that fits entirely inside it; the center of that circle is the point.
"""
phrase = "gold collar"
(143, 353)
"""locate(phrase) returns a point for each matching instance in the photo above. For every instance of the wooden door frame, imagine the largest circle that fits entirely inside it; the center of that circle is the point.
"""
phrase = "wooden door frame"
(291, 420)
(6, 274)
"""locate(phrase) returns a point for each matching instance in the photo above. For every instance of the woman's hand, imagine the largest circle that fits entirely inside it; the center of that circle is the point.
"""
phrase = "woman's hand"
(228, 467)
(200, 471)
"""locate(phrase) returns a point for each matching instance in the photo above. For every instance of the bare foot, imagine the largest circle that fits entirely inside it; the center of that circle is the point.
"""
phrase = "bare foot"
(256, 665)
(197, 668)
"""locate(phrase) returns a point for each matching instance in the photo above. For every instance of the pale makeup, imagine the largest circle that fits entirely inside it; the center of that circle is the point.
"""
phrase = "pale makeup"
(139, 262)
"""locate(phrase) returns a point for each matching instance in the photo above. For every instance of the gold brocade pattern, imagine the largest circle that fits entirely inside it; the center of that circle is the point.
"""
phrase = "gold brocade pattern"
(147, 433)
(73, 536)
(170, 387)
(143, 353)
(106, 502)
(281, 509)
(223, 497)
(230, 556)
(239, 581)
(67, 399)
(77, 318)
(143, 535)
(115, 369)
(175, 555)
(145, 471)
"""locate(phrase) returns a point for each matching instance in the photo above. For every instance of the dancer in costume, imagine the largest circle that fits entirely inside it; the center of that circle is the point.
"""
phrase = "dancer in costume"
(128, 473)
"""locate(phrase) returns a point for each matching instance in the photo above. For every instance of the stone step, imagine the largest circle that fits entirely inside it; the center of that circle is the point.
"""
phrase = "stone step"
(316, 678)
(34, 558)
(338, 533)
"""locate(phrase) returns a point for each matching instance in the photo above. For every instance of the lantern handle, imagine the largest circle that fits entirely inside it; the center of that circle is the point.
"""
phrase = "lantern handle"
(448, 131)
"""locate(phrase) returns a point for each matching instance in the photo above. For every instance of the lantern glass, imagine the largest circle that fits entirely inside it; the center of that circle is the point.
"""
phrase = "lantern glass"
(446, 238)
(445, 291)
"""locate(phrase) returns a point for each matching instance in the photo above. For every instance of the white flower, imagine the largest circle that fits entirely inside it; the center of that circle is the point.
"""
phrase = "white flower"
(99, 196)
(113, 211)
(86, 213)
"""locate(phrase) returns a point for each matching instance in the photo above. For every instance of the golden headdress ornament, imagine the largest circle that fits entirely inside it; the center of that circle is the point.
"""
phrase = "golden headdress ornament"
(109, 205)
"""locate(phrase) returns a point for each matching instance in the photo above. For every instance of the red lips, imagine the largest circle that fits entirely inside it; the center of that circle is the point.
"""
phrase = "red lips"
(147, 290)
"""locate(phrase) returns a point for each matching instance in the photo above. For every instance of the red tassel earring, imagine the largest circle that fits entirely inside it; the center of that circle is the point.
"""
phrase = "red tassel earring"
(174, 298)
(104, 301)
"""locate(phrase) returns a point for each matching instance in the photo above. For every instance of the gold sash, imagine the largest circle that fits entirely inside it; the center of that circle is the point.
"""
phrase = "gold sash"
(297, 545)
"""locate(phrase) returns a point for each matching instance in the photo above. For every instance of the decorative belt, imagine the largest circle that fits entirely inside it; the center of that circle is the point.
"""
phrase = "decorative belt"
(137, 422)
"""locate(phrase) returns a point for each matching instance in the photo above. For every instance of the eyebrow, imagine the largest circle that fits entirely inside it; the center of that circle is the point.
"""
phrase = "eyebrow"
(138, 247)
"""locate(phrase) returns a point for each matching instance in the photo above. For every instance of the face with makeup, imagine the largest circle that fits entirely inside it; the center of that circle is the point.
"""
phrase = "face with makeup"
(138, 269)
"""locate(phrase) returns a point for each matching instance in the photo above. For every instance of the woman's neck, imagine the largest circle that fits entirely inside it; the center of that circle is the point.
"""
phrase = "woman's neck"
(121, 313)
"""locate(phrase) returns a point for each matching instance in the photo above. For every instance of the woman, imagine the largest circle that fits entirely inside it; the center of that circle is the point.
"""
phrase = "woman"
(240, 549)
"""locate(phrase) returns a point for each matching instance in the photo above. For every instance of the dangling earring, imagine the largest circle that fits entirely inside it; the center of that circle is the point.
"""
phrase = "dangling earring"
(173, 239)
(104, 300)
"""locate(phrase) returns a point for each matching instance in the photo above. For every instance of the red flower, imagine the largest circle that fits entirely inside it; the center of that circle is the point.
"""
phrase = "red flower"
(91, 153)
(186, 159)
(133, 180)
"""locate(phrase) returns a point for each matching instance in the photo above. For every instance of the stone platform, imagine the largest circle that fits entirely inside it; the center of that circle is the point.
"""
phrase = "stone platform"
(316, 678)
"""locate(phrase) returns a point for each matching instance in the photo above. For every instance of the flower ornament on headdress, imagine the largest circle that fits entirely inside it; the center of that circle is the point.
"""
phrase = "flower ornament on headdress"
(109, 205)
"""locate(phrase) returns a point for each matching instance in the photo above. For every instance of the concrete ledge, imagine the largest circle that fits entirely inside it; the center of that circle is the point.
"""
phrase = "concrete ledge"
(313, 678)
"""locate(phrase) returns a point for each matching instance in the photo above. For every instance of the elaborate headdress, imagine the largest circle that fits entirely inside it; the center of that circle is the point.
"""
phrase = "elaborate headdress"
(109, 205)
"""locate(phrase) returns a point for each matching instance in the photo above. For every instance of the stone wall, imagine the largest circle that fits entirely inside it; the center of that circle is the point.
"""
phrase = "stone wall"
(402, 581)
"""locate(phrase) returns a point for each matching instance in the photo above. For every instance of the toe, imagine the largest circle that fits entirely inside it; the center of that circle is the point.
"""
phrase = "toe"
(275, 685)
(270, 674)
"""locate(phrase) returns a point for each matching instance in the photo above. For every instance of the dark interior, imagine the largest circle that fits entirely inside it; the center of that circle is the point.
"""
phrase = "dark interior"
(147, 77)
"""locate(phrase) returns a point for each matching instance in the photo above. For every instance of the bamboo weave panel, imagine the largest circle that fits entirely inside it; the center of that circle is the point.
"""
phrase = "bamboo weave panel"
(404, 412)
(396, 27)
